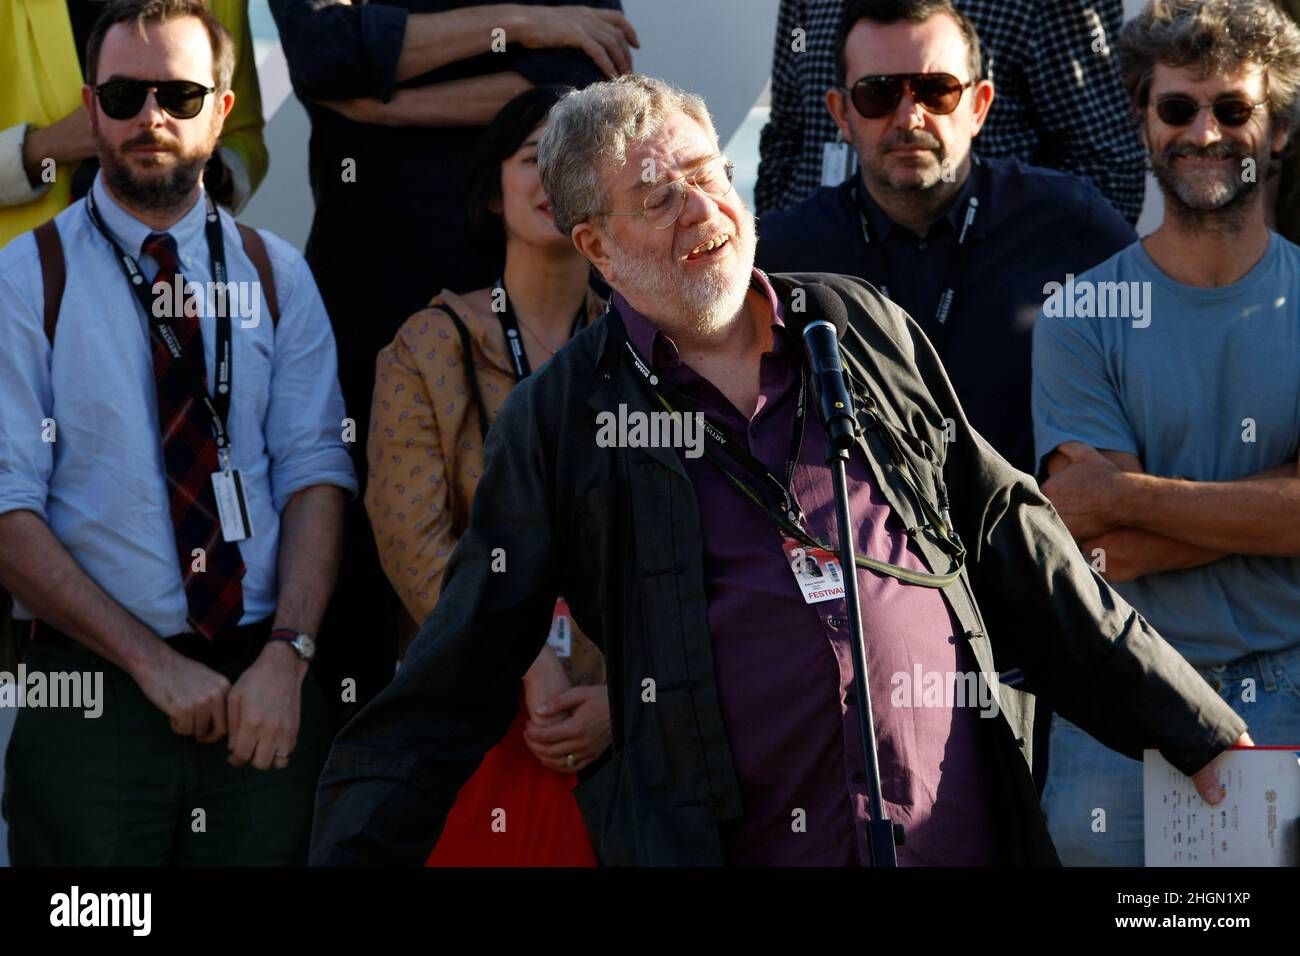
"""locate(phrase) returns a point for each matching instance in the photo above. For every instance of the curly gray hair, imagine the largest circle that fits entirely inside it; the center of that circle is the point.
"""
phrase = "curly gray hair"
(597, 124)
(1218, 36)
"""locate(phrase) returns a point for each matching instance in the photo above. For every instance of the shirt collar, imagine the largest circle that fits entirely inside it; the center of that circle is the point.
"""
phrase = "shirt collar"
(131, 233)
(653, 343)
(880, 224)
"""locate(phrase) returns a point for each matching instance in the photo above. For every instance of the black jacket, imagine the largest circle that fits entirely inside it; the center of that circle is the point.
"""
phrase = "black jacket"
(617, 532)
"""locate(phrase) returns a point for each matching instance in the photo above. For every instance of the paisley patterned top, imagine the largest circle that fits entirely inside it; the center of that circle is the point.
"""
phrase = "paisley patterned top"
(426, 453)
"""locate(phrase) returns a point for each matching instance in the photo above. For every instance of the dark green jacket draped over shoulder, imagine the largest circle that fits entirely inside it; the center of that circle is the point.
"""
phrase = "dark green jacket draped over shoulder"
(617, 531)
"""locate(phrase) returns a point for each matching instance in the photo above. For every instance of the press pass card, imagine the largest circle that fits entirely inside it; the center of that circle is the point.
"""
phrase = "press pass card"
(561, 638)
(1256, 824)
(816, 570)
(232, 508)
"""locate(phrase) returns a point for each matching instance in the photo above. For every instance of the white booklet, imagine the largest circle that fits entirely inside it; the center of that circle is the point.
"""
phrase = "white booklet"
(1256, 824)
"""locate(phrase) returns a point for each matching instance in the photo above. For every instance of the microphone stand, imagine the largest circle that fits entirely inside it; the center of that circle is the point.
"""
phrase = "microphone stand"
(835, 400)
(883, 836)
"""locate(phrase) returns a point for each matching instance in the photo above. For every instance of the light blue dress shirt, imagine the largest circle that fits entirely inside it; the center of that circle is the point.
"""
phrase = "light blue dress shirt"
(100, 484)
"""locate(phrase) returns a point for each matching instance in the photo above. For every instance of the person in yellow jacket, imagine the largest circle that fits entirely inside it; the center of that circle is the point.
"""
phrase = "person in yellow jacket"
(41, 116)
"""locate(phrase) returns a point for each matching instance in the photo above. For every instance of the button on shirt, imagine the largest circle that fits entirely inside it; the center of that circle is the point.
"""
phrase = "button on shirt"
(99, 484)
(784, 667)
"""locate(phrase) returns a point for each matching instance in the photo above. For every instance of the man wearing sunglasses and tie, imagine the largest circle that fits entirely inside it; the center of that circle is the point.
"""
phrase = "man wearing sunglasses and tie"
(1170, 438)
(175, 530)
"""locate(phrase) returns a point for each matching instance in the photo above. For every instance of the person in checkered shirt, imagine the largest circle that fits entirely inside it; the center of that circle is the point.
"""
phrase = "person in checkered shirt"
(1060, 103)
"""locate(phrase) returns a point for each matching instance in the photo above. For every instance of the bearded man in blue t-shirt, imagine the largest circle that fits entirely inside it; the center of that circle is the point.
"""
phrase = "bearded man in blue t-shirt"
(1166, 399)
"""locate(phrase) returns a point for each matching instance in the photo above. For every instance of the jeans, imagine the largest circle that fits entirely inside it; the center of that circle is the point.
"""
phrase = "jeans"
(1085, 776)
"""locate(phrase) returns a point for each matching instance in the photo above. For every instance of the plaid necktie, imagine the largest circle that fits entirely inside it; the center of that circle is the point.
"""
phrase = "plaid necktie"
(215, 595)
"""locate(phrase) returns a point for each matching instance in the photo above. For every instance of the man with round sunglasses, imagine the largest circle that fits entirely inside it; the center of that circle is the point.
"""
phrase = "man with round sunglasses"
(1169, 427)
(172, 483)
(47, 148)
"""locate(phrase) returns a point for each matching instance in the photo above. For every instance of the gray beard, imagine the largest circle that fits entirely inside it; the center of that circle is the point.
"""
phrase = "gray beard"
(696, 312)
(1226, 213)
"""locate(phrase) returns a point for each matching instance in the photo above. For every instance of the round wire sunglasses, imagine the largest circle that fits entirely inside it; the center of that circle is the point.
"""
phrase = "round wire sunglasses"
(1179, 109)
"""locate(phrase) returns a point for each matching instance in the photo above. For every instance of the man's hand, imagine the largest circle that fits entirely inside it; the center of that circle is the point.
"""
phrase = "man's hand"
(604, 35)
(1207, 781)
(69, 140)
(1083, 491)
(584, 732)
(191, 694)
(264, 708)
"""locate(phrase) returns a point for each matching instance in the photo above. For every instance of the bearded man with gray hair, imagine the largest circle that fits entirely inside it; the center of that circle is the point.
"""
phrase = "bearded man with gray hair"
(1170, 435)
(732, 700)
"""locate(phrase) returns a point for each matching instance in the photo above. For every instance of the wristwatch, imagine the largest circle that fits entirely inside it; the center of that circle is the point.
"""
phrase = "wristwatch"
(304, 645)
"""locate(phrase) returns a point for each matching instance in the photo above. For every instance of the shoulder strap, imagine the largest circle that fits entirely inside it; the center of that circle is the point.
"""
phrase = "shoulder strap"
(470, 372)
(256, 249)
(53, 271)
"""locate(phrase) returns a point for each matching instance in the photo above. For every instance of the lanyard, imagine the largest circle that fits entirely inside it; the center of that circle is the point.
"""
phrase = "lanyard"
(673, 400)
(219, 409)
(957, 262)
(515, 343)
(791, 521)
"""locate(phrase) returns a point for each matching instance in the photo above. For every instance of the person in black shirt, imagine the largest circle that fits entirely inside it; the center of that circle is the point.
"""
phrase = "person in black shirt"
(399, 92)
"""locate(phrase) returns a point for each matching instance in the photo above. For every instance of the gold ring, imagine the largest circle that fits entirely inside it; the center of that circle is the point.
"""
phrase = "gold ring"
(573, 764)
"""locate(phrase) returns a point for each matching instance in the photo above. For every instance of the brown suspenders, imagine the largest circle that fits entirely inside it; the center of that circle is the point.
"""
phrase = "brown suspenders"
(55, 273)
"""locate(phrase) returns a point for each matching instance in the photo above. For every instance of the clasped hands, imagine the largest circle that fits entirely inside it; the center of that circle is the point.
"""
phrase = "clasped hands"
(259, 713)
(568, 727)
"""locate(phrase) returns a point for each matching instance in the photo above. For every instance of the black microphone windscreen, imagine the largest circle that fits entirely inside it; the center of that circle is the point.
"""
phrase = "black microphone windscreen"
(821, 302)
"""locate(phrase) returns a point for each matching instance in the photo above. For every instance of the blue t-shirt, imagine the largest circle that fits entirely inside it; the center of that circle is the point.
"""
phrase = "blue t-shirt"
(1197, 383)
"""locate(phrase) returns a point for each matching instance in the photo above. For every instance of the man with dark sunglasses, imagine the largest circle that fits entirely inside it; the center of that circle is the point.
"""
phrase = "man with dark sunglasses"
(172, 483)
(47, 149)
(963, 245)
(1060, 103)
(1170, 432)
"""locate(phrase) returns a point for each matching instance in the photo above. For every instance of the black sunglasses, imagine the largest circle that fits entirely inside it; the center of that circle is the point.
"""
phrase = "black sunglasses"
(877, 96)
(1180, 110)
(122, 99)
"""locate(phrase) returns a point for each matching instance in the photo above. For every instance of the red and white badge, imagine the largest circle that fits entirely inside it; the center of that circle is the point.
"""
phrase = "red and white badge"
(816, 570)
(561, 638)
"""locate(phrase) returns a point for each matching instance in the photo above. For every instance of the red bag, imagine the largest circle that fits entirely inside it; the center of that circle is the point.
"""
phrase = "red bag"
(514, 812)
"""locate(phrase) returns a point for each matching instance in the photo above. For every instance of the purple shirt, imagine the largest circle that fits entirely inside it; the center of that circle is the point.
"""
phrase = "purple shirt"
(784, 667)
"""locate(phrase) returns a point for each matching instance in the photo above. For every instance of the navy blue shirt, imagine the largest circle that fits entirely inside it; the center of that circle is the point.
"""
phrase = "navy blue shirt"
(1033, 227)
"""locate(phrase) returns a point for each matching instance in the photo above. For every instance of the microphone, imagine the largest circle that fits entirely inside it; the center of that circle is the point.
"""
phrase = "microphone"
(821, 342)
